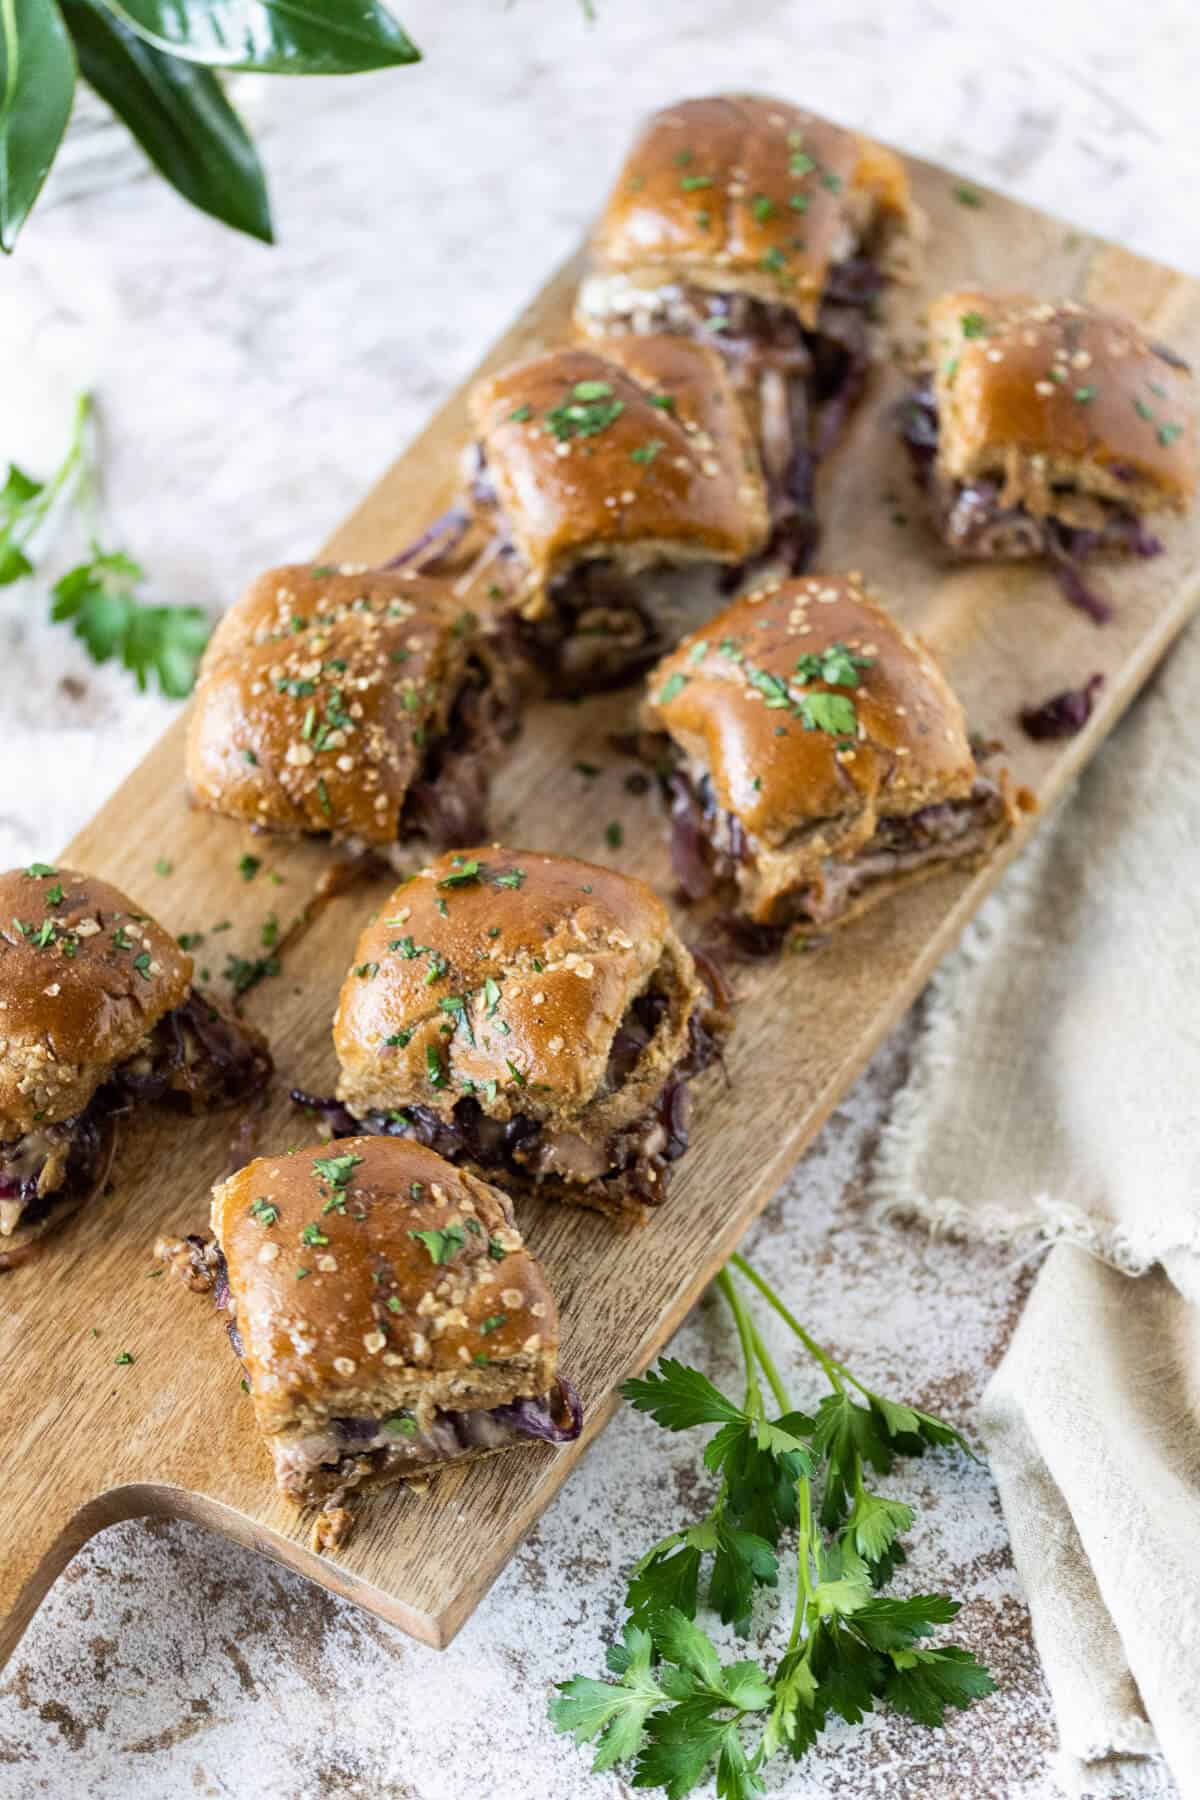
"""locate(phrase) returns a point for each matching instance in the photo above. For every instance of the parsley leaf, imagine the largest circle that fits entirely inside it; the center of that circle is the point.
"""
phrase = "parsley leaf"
(611, 1715)
(98, 597)
(833, 713)
(926, 1682)
(676, 1397)
(443, 1246)
(675, 1710)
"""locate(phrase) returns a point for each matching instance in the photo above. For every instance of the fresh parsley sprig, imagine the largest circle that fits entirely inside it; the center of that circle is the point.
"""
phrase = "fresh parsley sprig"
(98, 597)
(673, 1709)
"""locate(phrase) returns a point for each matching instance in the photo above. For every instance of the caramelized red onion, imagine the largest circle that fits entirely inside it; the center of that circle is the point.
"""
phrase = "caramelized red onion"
(975, 523)
(1063, 714)
(435, 543)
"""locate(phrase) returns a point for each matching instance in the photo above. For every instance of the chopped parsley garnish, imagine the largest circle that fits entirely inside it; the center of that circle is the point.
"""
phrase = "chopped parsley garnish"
(264, 1212)
(462, 873)
(798, 202)
(966, 196)
(1142, 410)
(249, 866)
(313, 1235)
(800, 164)
(691, 184)
(189, 940)
(268, 934)
(829, 712)
(588, 770)
(762, 208)
(336, 1170)
(163, 867)
(242, 973)
(491, 995)
(366, 971)
(1168, 433)
(590, 408)
(774, 260)
(40, 871)
(646, 453)
(512, 878)
(614, 834)
(974, 325)
(496, 1250)
(443, 1246)
(837, 664)
(141, 963)
(671, 688)
(493, 1323)
(664, 402)
(433, 1066)
(123, 1359)
(398, 1040)
(774, 687)
(519, 414)
(401, 1425)
(456, 1006)
(1085, 394)
(831, 181)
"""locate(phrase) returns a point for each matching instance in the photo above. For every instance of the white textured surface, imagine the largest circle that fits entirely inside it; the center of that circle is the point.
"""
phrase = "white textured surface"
(248, 398)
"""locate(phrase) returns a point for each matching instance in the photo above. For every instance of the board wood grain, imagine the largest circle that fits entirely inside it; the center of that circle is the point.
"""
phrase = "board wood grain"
(85, 1441)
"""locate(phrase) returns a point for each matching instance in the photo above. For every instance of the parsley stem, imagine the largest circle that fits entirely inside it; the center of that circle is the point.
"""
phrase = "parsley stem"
(804, 1547)
(745, 1329)
(73, 462)
(769, 1370)
(833, 1370)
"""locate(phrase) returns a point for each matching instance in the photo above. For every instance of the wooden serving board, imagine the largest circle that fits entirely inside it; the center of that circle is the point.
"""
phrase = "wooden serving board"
(85, 1441)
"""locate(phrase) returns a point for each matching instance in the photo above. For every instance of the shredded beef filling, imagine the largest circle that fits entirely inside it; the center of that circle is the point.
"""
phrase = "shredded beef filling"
(808, 382)
(623, 1170)
(708, 844)
(352, 1451)
(448, 802)
(971, 519)
(194, 1056)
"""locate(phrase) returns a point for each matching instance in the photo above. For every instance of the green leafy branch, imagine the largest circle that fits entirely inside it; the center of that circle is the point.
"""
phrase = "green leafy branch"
(98, 597)
(672, 1708)
(153, 62)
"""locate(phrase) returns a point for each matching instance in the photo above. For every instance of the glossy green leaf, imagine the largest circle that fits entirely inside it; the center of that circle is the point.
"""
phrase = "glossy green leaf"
(178, 114)
(37, 84)
(279, 37)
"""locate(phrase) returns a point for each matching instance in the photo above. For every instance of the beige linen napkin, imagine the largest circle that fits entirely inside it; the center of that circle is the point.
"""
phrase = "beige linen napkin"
(1054, 1098)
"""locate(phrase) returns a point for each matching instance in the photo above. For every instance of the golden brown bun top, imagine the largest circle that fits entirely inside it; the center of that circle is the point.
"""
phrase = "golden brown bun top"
(741, 192)
(505, 973)
(320, 694)
(84, 975)
(732, 698)
(670, 466)
(381, 1316)
(1086, 391)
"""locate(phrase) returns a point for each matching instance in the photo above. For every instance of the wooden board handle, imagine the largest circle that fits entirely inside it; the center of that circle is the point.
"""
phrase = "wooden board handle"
(47, 1540)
